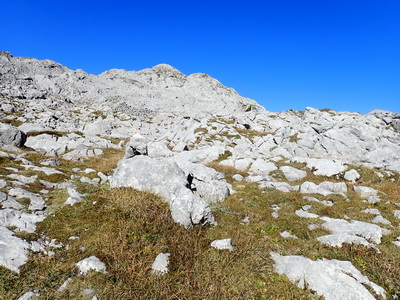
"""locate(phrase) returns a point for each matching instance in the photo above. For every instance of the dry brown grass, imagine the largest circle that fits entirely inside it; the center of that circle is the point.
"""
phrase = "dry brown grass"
(49, 132)
(250, 133)
(101, 163)
(126, 229)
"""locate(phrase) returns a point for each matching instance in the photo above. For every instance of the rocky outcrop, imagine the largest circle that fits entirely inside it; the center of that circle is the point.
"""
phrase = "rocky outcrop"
(124, 91)
(10, 135)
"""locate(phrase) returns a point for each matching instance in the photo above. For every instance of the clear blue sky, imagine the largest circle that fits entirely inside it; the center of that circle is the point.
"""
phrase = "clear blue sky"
(339, 54)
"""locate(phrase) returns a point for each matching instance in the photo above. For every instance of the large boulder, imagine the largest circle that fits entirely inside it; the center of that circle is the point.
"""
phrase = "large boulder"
(163, 177)
(205, 182)
(10, 135)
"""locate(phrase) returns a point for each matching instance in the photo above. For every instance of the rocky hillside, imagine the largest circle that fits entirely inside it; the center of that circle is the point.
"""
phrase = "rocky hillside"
(154, 184)
(139, 94)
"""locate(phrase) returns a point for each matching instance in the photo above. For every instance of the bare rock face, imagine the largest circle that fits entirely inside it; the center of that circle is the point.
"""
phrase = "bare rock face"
(140, 94)
(10, 135)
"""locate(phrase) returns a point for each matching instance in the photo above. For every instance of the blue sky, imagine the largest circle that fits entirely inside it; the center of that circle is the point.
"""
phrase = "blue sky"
(343, 55)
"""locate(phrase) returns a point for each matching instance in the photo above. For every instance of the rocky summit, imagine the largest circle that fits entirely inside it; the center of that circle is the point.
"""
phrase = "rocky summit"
(154, 184)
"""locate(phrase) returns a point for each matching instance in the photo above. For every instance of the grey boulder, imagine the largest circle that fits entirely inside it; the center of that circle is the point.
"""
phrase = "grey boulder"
(10, 135)
(163, 177)
(136, 146)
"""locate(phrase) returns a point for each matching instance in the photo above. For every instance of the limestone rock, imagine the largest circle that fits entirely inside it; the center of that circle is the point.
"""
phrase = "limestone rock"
(293, 174)
(136, 146)
(368, 231)
(91, 263)
(333, 279)
(160, 264)
(10, 135)
(323, 167)
(324, 188)
(262, 167)
(224, 244)
(352, 175)
(165, 178)
(13, 250)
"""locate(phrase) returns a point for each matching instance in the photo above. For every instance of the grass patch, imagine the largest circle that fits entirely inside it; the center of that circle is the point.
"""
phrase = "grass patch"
(201, 130)
(50, 132)
(12, 122)
(294, 138)
(250, 134)
(224, 156)
(104, 163)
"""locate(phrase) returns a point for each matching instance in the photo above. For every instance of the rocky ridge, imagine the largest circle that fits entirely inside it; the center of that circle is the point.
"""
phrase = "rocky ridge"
(171, 126)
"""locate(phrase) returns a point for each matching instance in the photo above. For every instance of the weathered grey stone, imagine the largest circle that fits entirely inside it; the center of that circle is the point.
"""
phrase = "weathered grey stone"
(323, 167)
(205, 182)
(365, 191)
(158, 149)
(338, 239)
(305, 214)
(13, 250)
(368, 231)
(23, 179)
(396, 124)
(29, 295)
(324, 188)
(74, 196)
(241, 164)
(293, 174)
(224, 244)
(288, 235)
(81, 152)
(94, 181)
(98, 127)
(10, 135)
(50, 162)
(352, 175)
(136, 146)
(179, 147)
(165, 178)
(160, 264)
(373, 211)
(22, 220)
(46, 170)
(50, 144)
(281, 186)
(381, 220)
(3, 183)
(65, 285)
(9, 202)
(333, 279)
(36, 201)
(201, 156)
(91, 263)
(32, 127)
(237, 177)
(262, 167)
